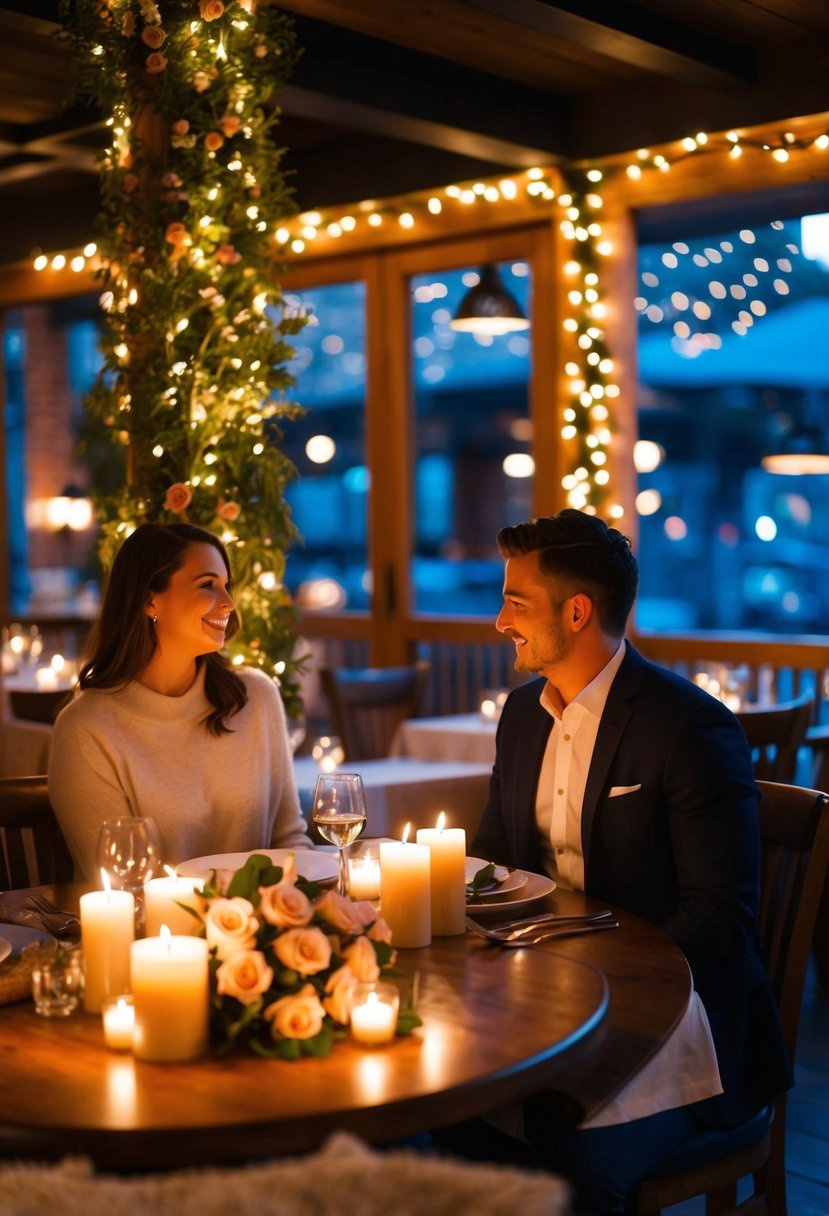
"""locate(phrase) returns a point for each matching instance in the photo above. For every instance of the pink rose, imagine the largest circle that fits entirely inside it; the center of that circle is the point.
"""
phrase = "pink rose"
(130, 183)
(180, 127)
(338, 988)
(285, 905)
(176, 234)
(304, 950)
(213, 141)
(153, 36)
(171, 180)
(230, 926)
(211, 9)
(156, 63)
(362, 960)
(340, 913)
(230, 124)
(179, 497)
(379, 931)
(296, 1017)
(128, 25)
(228, 255)
(245, 975)
(201, 82)
(228, 510)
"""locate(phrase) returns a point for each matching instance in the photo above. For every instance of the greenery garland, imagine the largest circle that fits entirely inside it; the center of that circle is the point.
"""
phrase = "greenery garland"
(193, 387)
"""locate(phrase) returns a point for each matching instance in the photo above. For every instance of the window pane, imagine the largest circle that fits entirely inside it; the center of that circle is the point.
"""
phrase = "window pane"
(329, 569)
(732, 363)
(473, 442)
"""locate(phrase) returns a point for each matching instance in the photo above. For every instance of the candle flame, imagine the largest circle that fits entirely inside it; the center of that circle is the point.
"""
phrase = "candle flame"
(170, 872)
(165, 932)
(441, 823)
(406, 831)
(107, 885)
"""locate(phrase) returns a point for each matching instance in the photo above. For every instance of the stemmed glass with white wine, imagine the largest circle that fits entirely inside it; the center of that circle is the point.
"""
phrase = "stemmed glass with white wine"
(340, 814)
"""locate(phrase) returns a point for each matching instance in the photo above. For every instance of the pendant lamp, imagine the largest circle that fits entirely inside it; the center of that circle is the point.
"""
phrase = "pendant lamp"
(803, 450)
(488, 308)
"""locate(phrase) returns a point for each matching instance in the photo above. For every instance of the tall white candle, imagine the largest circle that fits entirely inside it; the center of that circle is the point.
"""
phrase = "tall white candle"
(162, 897)
(447, 853)
(170, 990)
(107, 932)
(405, 892)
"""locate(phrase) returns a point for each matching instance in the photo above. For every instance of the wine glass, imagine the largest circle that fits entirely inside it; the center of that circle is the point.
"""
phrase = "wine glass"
(129, 850)
(339, 813)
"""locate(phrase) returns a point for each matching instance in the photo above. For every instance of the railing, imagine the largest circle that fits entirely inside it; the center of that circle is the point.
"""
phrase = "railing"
(467, 656)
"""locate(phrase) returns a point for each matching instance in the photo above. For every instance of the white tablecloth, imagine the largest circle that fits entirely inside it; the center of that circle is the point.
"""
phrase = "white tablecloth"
(403, 790)
(453, 737)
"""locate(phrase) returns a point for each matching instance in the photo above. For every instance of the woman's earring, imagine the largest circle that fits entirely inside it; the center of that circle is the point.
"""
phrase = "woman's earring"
(154, 620)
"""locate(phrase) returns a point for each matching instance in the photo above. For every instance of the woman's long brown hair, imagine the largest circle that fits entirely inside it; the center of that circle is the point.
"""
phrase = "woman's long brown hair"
(123, 641)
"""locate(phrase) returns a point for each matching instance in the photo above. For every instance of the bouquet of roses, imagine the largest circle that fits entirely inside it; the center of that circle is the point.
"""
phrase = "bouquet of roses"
(284, 958)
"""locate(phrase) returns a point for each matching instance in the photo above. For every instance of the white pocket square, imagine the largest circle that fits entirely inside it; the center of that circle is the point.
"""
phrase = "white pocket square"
(617, 790)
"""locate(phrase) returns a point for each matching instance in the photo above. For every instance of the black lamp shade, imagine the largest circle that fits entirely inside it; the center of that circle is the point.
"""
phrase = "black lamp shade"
(488, 308)
(803, 450)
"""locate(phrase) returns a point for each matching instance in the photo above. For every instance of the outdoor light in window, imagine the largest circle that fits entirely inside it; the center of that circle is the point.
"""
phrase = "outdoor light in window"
(488, 308)
(70, 511)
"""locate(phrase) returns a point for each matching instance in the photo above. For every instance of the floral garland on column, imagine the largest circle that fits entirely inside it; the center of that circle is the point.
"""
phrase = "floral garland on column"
(193, 386)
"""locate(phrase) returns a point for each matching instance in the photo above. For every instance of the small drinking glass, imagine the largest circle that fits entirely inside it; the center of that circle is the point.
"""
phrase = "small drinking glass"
(374, 1009)
(340, 814)
(57, 984)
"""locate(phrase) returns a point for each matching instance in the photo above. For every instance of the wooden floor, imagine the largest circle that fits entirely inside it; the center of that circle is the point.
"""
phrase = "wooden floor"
(807, 1138)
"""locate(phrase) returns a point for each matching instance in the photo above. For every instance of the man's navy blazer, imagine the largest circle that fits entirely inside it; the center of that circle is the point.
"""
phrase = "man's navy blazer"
(681, 849)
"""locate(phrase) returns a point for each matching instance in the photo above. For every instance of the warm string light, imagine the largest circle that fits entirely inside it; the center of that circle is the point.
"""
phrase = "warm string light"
(587, 418)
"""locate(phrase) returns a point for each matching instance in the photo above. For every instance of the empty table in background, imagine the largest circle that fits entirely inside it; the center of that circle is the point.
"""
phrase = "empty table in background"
(467, 737)
(402, 790)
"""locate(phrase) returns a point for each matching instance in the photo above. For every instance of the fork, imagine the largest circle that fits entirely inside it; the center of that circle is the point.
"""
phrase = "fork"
(545, 933)
(47, 910)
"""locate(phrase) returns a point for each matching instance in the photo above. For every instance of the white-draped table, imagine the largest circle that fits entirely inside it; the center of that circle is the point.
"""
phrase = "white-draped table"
(467, 737)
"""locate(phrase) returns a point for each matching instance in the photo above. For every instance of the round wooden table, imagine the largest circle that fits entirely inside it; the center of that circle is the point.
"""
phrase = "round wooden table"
(577, 1018)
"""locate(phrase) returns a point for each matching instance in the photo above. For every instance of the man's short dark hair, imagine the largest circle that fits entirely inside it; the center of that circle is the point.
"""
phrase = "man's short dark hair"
(586, 555)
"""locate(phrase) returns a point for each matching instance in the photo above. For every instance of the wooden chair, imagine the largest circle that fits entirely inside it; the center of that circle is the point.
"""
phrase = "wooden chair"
(32, 847)
(34, 706)
(775, 733)
(794, 830)
(369, 703)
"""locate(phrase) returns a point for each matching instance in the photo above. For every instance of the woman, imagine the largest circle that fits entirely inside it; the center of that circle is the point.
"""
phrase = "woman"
(163, 725)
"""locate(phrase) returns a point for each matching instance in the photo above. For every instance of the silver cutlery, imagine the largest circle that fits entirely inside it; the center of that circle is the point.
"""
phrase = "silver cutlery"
(514, 927)
(544, 933)
(55, 919)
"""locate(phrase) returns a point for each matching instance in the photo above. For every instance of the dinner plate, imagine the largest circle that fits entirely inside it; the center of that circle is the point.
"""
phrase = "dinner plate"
(5, 949)
(534, 888)
(504, 880)
(315, 866)
(18, 936)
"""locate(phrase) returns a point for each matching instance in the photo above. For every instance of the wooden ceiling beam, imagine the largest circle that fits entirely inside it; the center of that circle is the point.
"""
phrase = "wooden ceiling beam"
(631, 34)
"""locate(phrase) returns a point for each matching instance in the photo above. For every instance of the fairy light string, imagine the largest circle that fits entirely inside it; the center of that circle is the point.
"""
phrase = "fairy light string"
(575, 194)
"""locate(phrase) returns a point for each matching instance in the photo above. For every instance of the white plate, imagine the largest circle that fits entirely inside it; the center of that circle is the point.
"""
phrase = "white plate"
(5, 949)
(18, 936)
(313, 865)
(507, 880)
(535, 887)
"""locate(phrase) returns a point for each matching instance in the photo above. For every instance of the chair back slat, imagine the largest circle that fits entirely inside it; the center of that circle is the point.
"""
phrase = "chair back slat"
(775, 733)
(32, 846)
(35, 706)
(794, 832)
(368, 704)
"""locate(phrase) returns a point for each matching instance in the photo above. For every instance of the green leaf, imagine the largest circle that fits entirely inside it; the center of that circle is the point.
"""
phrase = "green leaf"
(288, 1049)
(407, 1021)
(258, 871)
(483, 878)
(320, 1045)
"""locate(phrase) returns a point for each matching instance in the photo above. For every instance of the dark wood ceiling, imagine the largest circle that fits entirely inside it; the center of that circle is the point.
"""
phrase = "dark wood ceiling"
(392, 96)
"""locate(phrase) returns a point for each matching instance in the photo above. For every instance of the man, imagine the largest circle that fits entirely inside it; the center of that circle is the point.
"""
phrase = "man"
(621, 779)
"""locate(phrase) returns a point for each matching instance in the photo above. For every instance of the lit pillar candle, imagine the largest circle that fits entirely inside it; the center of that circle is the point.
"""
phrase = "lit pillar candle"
(170, 991)
(447, 852)
(162, 897)
(405, 892)
(107, 932)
